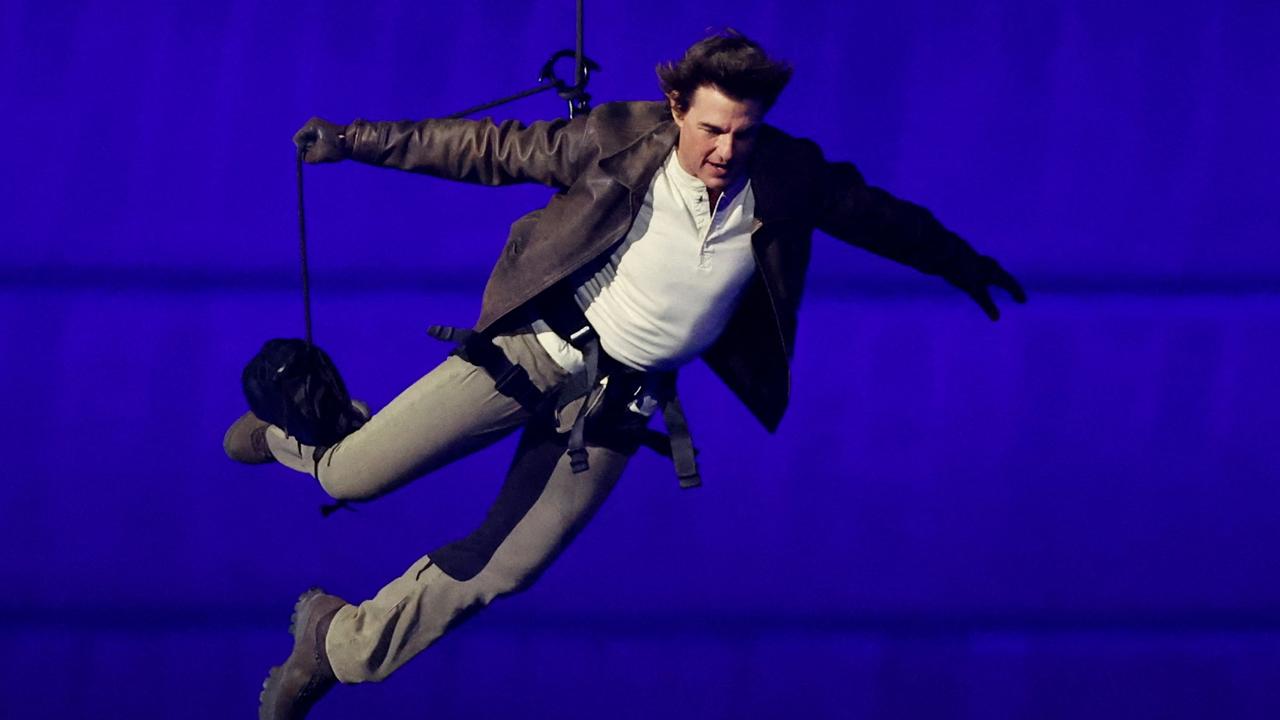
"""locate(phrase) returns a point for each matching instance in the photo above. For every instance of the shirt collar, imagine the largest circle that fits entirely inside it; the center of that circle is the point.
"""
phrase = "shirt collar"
(692, 189)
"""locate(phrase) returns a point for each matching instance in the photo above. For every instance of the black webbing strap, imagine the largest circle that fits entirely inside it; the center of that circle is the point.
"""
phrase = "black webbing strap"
(586, 340)
(683, 454)
(677, 442)
(570, 323)
(508, 378)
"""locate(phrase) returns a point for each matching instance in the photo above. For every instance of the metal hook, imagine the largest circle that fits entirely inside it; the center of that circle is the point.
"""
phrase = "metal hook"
(575, 94)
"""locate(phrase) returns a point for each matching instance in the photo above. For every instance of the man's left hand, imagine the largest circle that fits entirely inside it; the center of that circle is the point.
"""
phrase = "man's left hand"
(983, 274)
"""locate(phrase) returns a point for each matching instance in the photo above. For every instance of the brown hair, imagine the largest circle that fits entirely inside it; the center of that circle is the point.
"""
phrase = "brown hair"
(729, 61)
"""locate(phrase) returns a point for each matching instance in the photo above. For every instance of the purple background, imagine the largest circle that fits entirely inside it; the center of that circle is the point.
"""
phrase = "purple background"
(1067, 514)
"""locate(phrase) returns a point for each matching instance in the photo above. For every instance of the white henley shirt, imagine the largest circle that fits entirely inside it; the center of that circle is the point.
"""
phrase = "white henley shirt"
(671, 285)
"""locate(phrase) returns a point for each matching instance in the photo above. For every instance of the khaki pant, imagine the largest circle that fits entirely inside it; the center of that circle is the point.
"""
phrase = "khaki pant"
(452, 411)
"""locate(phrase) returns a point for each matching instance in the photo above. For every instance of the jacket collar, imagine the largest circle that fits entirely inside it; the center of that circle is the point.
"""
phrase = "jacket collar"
(635, 138)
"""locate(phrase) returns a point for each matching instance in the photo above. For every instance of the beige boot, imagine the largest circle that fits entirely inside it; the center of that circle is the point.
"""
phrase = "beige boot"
(246, 440)
(292, 688)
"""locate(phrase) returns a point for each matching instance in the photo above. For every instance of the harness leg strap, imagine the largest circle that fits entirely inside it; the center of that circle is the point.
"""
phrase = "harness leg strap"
(682, 451)
(508, 378)
(590, 347)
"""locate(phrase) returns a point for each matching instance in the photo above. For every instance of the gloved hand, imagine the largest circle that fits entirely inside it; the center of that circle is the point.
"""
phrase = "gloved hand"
(321, 141)
(982, 273)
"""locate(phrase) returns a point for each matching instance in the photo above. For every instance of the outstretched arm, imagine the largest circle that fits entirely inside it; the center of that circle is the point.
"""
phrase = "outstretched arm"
(478, 151)
(907, 233)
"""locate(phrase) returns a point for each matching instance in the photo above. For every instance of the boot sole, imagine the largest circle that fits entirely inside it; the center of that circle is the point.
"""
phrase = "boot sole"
(275, 674)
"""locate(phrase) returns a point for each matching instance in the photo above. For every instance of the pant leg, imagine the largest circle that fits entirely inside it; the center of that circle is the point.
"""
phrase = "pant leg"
(542, 506)
(452, 411)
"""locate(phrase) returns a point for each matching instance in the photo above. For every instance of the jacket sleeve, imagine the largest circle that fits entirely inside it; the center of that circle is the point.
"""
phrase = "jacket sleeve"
(478, 151)
(875, 220)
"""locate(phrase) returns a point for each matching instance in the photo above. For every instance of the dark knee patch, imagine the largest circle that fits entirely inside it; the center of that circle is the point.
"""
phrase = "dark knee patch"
(536, 457)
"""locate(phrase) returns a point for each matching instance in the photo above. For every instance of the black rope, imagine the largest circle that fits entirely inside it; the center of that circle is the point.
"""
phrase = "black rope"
(302, 238)
(501, 101)
(579, 70)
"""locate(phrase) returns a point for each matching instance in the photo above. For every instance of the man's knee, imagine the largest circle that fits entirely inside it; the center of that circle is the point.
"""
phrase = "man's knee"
(341, 483)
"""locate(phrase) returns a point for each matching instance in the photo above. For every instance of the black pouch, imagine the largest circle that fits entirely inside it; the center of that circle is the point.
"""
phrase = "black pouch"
(295, 386)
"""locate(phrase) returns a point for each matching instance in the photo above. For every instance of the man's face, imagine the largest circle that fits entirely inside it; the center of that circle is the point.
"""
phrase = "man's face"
(717, 134)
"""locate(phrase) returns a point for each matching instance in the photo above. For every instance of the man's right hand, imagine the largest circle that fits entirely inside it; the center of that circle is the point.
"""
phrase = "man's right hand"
(321, 141)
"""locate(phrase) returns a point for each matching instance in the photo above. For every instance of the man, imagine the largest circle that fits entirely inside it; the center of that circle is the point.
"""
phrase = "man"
(680, 229)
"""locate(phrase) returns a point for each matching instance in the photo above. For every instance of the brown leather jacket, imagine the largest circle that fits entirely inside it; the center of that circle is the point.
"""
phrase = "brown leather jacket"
(602, 164)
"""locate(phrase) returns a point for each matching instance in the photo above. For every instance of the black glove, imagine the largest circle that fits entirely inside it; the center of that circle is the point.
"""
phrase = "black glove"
(982, 273)
(321, 141)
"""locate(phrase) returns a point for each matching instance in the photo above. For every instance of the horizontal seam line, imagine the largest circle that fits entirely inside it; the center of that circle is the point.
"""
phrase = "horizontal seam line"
(697, 623)
(434, 282)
